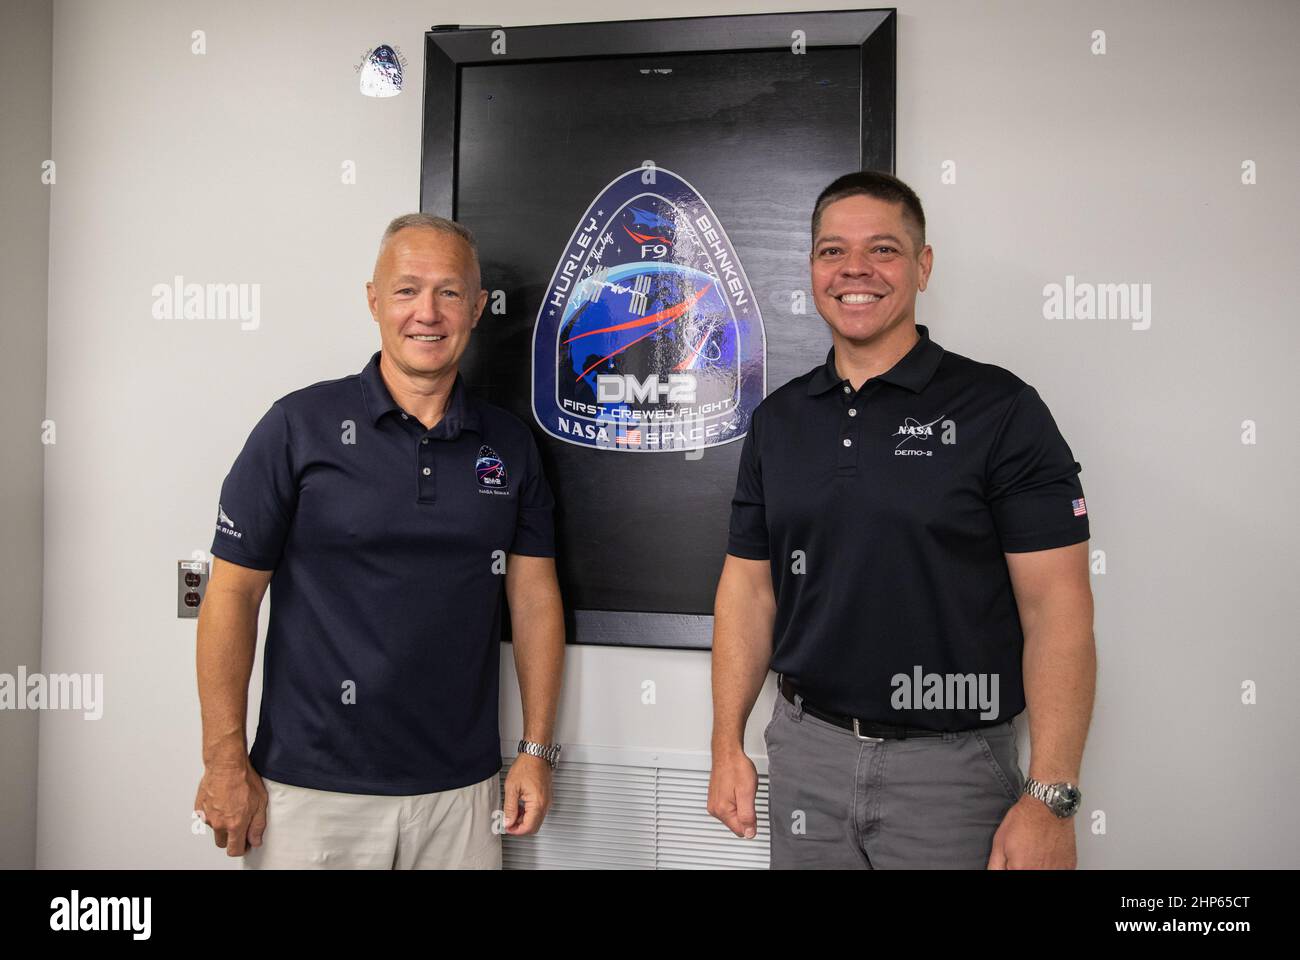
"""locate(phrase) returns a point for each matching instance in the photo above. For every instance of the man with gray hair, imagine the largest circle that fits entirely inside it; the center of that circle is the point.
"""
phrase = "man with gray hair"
(385, 510)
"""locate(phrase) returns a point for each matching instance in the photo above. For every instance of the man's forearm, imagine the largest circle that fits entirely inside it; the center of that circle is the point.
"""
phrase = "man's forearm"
(1060, 673)
(742, 651)
(227, 643)
(537, 629)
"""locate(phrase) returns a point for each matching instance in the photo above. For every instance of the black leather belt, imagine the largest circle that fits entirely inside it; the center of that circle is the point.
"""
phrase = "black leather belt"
(862, 729)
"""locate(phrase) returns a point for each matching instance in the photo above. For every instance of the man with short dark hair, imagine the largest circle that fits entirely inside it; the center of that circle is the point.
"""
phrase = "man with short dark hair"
(908, 550)
(386, 510)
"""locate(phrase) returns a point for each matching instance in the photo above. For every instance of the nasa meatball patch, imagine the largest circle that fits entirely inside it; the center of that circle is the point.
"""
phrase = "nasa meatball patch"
(649, 337)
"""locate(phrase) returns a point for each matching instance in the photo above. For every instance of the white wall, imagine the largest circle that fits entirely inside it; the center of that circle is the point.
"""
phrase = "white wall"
(1117, 168)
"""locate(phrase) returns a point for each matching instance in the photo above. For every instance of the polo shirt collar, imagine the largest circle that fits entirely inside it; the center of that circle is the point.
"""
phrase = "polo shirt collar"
(461, 413)
(912, 372)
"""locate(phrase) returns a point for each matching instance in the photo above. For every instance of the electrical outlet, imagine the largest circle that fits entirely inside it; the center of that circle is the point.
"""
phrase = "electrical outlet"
(191, 585)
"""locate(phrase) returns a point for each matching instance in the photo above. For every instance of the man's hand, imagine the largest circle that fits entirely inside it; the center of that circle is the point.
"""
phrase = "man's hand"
(232, 800)
(528, 785)
(733, 784)
(743, 613)
(1031, 837)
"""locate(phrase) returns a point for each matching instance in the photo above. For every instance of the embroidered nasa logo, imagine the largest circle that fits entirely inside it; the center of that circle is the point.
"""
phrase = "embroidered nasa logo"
(913, 429)
(490, 470)
(649, 337)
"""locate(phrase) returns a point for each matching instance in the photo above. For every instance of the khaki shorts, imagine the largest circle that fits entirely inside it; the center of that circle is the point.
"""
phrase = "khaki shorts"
(323, 830)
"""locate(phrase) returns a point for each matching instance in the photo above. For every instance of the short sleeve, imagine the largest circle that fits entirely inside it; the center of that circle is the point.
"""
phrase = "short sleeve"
(1033, 481)
(535, 523)
(259, 497)
(747, 533)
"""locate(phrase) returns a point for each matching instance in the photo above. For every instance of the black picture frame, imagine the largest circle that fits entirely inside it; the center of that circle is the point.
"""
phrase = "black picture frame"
(450, 50)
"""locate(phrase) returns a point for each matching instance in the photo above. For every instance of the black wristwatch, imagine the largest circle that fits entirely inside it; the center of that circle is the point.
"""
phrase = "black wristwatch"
(549, 752)
(1062, 799)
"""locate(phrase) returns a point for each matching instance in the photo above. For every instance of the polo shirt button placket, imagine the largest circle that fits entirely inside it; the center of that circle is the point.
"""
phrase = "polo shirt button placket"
(848, 459)
(424, 456)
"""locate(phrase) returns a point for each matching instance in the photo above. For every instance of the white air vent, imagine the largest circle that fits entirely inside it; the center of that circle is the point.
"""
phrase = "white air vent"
(617, 809)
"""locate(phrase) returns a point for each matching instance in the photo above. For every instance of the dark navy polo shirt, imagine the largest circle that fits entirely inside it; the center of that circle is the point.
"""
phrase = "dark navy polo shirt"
(388, 543)
(885, 513)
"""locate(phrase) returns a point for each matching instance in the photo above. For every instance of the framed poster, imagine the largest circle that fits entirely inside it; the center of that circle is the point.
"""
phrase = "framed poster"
(641, 193)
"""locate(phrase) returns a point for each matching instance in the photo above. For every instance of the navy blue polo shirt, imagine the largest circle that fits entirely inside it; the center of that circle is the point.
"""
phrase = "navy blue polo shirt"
(885, 513)
(388, 545)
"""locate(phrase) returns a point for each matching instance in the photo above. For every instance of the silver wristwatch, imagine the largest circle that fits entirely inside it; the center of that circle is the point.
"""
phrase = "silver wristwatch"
(1062, 799)
(548, 752)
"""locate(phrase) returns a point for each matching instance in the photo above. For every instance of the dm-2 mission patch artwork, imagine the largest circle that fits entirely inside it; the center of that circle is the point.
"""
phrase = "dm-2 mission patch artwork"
(649, 337)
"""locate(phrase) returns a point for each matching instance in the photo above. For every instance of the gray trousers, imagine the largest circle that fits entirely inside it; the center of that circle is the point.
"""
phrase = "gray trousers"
(837, 802)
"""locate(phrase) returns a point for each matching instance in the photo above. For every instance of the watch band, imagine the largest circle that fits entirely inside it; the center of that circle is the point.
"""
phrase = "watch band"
(1061, 798)
(549, 752)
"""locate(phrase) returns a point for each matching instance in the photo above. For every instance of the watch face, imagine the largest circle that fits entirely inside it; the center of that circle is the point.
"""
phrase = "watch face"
(1066, 799)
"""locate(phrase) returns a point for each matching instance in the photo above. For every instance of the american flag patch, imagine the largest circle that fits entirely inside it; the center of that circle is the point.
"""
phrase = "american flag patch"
(633, 436)
(1080, 508)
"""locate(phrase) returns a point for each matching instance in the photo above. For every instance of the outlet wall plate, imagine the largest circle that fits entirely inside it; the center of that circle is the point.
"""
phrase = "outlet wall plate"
(191, 585)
